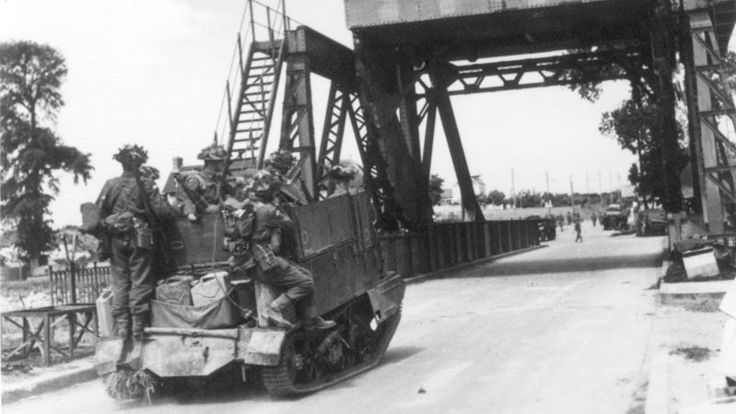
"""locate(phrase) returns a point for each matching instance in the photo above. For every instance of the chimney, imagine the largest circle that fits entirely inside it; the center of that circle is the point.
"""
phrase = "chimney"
(178, 162)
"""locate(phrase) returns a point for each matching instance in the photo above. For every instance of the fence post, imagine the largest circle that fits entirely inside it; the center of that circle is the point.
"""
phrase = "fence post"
(73, 276)
(51, 283)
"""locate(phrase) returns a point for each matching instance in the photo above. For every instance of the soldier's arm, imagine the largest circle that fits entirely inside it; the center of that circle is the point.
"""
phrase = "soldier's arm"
(278, 219)
(192, 186)
(158, 203)
(104, 200)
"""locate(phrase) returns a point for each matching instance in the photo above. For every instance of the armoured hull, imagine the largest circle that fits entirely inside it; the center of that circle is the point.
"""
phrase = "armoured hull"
(335, 241)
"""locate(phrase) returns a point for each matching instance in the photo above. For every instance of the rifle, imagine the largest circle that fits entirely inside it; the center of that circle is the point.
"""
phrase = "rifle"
(155, 220)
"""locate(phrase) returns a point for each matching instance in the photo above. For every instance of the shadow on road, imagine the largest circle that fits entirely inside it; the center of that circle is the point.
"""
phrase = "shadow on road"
(399, 353)
(565, 265)
(226, 386)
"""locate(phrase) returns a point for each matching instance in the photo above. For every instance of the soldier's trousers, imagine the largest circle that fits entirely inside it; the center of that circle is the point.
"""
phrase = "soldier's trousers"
(132, 277)
(297, 284)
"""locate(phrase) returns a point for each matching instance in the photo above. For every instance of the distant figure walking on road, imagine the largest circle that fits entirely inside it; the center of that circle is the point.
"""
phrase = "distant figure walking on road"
(594, 218)
(578, 232)
(561, 221)
(569, 218)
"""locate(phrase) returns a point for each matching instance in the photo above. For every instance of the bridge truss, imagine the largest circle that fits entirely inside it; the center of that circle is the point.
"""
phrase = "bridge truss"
(411, 57)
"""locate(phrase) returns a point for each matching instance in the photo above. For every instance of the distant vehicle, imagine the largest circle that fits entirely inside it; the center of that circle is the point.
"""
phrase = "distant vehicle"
(653, 221)
(547, 227)
(615, 217)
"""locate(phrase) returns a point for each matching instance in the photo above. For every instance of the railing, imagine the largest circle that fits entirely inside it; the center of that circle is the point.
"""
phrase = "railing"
(436, 246)
(444, 245)
(259, 23)
(77, 285)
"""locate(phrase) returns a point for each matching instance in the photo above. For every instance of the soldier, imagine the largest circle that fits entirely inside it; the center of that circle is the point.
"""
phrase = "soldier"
(578, 231)
(294, 280)
(126, 206)
(202, 191)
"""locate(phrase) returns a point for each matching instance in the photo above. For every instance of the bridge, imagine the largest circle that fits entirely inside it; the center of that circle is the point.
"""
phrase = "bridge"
(410, 57)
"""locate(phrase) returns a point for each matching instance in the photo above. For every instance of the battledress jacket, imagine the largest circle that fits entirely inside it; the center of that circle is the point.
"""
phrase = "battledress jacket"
(204, 184)
(269, 219)
(122, 195)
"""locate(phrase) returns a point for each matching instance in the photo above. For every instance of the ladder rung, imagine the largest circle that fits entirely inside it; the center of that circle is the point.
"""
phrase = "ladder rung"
(248, 130)
(247, 121)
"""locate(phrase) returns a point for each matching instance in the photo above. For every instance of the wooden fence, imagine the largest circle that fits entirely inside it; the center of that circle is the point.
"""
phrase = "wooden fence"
(78, 285)
(434, 247)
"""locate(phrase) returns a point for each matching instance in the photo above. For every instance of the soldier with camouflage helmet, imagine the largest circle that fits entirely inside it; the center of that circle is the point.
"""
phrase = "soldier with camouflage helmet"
(202, 191)
(124, 205)
(295, 281)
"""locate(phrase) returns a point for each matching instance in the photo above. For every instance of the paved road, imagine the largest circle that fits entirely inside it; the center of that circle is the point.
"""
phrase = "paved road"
(562, 329)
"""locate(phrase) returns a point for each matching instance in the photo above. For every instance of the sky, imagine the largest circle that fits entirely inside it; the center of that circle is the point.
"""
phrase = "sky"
(153, 73)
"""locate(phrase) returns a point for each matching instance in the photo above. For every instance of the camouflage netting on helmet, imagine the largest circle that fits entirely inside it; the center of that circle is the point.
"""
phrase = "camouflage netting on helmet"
(213, 152)
(131, 154)
(281, 161)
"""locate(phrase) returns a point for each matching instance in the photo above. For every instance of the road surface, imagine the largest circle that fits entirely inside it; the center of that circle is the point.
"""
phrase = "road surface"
(562, 329)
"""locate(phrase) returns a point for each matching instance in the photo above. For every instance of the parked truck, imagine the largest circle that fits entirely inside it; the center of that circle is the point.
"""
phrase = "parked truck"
(616, 217)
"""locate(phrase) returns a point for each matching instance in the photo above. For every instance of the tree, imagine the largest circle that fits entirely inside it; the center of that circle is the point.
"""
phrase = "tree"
(528, 198)
(32, 154)
(729, 64)
(496, 197)
(634, 125)
(435, 189)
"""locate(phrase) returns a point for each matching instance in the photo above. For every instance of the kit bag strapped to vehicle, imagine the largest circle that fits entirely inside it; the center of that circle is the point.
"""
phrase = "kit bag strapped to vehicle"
(215, 315)
(211, 306)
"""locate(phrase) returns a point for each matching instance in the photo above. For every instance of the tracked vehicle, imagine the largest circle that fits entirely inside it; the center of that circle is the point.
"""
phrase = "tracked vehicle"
(335, 240)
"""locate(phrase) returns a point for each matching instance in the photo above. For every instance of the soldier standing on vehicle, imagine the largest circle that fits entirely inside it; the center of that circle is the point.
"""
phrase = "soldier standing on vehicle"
(578, 232)
(126, 206)
(202, 191)
(295, 281)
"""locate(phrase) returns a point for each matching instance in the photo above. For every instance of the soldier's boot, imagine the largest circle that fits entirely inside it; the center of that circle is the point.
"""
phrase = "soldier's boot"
(139, 324)
(275, 312)
(122, 325)
(313, 322)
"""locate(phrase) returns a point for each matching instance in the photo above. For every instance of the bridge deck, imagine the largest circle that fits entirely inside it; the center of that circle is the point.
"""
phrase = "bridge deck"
(503, 27)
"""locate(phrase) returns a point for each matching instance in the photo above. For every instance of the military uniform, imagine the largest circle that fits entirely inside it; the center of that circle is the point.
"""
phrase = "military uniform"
(202, 191)
(206, 185)
(295, 280)
(124, 216)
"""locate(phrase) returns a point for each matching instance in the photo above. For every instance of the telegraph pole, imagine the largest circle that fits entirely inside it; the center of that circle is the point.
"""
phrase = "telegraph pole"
(549, 202)
(572, 195)
(513, 188)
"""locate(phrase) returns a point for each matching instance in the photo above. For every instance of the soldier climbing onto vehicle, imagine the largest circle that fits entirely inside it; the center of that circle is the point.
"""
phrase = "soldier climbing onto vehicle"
(202, 191)
(295, 281)
(127, 205)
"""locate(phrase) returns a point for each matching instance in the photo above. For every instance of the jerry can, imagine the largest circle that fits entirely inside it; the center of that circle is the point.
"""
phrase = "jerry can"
(210, 288)
(105, 320)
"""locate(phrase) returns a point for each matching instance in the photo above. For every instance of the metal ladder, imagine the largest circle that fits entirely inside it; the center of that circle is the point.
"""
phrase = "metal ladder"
(247, 111)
